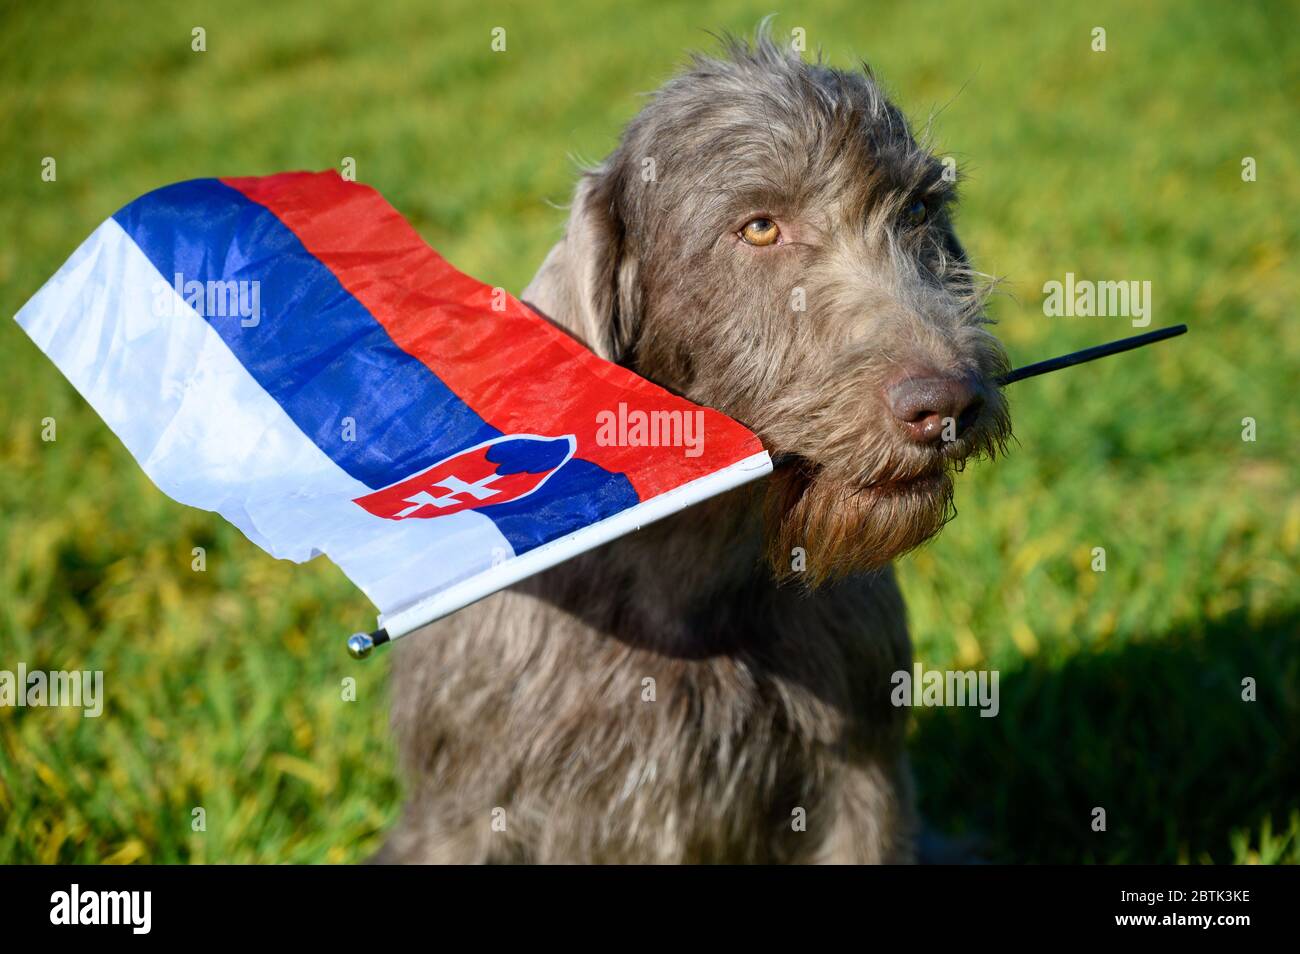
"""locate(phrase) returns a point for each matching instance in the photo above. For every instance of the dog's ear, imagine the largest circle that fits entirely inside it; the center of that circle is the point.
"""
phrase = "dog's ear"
(588, 283)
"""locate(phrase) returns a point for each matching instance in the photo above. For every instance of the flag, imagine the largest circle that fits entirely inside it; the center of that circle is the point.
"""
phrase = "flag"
(288, 352)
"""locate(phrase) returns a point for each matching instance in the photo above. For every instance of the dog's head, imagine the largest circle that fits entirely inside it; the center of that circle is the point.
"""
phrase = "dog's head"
(769, 239)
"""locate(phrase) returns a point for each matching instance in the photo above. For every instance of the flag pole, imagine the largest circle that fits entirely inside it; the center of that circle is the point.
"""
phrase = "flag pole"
(361, 645)
(398, 623)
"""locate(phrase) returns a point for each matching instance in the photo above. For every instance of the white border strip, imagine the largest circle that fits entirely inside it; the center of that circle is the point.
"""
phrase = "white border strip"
(548, 555)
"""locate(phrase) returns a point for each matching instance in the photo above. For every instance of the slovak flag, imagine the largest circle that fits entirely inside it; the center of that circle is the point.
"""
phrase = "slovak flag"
(288, 352)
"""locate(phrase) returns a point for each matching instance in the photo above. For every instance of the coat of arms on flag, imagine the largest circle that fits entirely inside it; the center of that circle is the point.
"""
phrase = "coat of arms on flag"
(288, 352)
(495, 472)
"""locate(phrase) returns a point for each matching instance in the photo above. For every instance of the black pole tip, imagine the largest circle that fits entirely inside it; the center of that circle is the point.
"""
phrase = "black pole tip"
(1091, 354)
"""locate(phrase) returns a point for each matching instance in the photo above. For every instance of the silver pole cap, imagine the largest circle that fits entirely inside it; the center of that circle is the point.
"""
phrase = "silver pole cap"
(360, 645)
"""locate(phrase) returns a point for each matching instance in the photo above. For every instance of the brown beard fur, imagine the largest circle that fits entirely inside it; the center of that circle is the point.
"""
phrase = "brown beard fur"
(845, 528)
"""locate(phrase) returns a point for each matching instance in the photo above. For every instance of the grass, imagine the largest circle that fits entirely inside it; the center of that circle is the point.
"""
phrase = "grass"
(1120, 689)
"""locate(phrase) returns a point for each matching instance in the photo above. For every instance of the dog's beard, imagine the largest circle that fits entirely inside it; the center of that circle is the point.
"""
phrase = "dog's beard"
(820, 529)
(824, 523)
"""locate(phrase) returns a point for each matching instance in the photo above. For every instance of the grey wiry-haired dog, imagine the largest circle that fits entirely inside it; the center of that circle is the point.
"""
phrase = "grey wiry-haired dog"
(768, 239)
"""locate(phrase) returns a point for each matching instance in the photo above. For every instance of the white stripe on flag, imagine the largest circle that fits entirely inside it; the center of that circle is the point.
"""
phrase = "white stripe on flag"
(210, 436)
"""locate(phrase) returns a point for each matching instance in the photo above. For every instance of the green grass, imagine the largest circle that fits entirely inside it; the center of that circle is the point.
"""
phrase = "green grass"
(1119, 689)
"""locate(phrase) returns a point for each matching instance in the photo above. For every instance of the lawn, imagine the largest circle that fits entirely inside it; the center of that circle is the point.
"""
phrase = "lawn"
(1120, 689)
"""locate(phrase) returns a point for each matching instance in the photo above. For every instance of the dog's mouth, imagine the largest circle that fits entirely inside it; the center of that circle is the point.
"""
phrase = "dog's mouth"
(931, 481)
(936, 479)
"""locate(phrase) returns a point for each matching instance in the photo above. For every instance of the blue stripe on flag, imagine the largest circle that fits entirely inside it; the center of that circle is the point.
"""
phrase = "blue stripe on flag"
(305, 347)
(324, 358)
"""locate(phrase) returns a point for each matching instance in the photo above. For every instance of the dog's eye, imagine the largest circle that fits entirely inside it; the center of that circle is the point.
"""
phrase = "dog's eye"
(760, 232)
(916, 212)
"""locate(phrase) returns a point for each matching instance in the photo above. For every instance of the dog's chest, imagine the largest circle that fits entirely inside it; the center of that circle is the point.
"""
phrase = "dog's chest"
(597, 748)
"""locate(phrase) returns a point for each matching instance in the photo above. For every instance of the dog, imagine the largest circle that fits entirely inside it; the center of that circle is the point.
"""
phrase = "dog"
(769, 239)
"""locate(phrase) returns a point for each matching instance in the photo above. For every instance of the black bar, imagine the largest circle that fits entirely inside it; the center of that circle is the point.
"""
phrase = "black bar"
(1092, 354)
(335, 904)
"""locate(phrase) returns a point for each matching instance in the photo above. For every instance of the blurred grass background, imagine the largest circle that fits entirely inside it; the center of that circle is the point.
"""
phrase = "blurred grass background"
(1119, 689)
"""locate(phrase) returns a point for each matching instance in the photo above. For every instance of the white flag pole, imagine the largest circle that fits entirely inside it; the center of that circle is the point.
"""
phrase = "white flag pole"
(422, 613)
(751, 468)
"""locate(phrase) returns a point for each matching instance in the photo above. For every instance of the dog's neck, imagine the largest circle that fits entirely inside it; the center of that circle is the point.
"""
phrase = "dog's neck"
(671, 583)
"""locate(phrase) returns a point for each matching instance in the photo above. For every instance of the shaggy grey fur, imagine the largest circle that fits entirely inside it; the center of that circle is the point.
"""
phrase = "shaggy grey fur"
(771, 682)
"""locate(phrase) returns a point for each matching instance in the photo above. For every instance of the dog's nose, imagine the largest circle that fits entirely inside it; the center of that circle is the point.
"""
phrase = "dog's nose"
(924, 405)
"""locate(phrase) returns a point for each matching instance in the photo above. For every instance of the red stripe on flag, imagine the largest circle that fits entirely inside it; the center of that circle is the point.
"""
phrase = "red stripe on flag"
(519, 372)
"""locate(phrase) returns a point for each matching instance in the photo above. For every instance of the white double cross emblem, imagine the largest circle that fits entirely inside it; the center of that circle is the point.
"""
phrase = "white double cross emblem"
(479, 490)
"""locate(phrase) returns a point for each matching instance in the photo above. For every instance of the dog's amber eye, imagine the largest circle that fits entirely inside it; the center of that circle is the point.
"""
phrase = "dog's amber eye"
(760, 232)
(916, 212)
